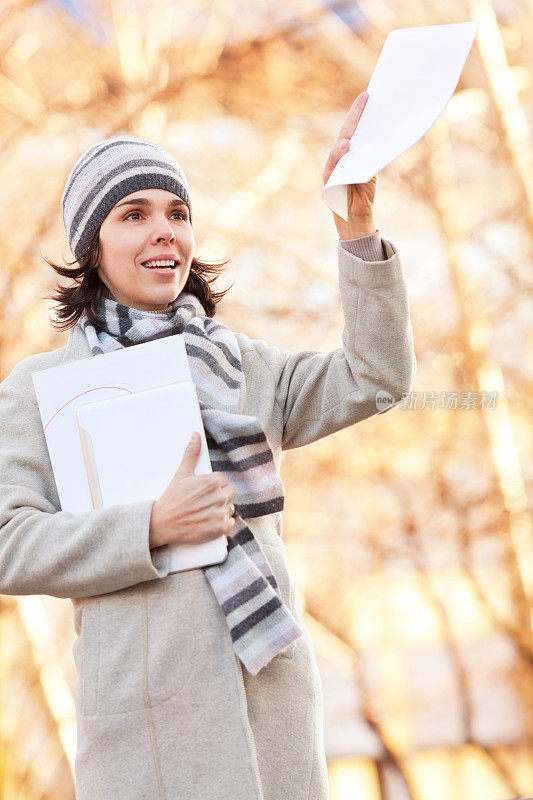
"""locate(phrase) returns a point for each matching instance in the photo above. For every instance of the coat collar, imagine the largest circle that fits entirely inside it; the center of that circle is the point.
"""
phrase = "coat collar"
(77, 346)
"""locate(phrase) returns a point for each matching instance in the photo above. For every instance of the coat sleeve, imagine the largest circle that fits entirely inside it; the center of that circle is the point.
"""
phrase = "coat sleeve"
(44, 550)
(320, 393)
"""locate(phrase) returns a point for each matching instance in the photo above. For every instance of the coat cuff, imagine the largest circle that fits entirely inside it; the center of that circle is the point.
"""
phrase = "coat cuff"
(372, 274)
(368, 248)
(154, 561)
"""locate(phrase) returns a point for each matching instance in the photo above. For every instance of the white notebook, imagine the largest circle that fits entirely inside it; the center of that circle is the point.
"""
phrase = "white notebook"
(133, 445)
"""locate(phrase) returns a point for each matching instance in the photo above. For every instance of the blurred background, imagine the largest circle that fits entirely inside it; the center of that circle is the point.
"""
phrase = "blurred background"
(409, 536)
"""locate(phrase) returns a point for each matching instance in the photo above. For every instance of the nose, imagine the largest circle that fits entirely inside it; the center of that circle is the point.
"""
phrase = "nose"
(162, 231)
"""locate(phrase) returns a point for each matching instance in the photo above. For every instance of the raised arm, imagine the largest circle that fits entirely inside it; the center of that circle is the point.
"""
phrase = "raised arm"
(315, 393)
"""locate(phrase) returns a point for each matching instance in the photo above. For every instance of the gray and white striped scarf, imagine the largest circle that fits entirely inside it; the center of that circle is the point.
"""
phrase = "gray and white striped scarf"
(260, 624)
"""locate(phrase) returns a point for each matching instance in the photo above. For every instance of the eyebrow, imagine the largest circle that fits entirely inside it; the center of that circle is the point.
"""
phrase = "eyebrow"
(143, 201)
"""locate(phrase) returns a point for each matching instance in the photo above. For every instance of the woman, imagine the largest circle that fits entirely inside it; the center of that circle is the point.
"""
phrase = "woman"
(201, 684)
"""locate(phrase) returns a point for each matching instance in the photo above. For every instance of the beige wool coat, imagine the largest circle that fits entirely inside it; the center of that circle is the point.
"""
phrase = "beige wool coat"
(164, 709)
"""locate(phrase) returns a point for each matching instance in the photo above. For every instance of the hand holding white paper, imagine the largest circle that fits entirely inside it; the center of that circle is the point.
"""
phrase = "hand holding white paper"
(416, 75)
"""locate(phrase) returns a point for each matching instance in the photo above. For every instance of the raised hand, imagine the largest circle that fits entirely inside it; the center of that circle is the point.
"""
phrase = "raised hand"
(361, 196)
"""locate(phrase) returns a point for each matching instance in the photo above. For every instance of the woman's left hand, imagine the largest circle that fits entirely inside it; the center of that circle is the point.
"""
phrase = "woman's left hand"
(361, 196)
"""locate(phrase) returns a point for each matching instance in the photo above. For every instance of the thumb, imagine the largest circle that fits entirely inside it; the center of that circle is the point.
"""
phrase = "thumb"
(190, 456)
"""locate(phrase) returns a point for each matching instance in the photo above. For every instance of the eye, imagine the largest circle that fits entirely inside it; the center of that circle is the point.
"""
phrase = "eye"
(181, 213)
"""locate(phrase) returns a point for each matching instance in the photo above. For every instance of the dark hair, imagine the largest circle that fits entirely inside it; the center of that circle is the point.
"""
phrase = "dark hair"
(88, 288)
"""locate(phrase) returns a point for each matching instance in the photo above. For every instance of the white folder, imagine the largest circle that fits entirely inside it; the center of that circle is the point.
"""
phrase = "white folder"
(60, 390)
(132, 446)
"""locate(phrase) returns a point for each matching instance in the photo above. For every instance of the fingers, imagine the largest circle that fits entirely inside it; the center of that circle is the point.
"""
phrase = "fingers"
(229, 506)
(342, 145)
(353, 116)
(227, 493)
(219, 479)
(224, 496)
(339, 149)
(217, 493)
(190, 456)
(230, 519)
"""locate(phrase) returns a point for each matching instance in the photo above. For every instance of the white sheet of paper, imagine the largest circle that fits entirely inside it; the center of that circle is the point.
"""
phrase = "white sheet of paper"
(416, 74)
(60, 390)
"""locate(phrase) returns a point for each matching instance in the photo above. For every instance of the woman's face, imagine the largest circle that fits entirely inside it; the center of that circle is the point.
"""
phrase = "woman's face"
(146, 225)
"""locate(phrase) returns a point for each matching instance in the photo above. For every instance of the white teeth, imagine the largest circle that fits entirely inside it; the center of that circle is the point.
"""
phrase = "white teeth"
(159, 264)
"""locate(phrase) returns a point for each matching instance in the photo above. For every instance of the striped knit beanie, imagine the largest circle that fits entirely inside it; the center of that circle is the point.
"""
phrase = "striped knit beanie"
(107, 172)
